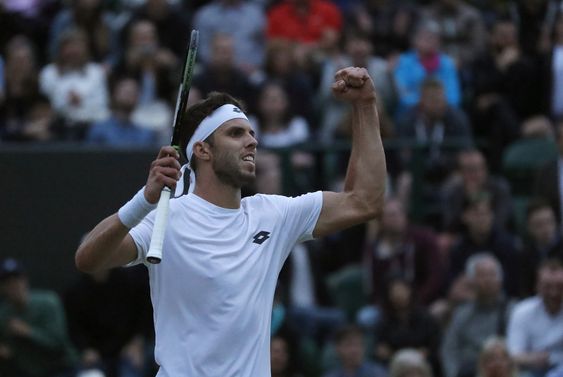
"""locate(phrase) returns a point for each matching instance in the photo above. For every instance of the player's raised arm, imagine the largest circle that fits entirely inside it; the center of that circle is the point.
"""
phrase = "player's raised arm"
(109, 243)
(364, 186)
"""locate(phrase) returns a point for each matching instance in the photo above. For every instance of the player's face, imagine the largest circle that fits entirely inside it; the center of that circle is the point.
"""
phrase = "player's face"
(234, 152)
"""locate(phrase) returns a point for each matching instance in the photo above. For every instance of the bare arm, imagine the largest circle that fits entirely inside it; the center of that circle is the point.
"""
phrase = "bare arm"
(364, 185)
(109, 244)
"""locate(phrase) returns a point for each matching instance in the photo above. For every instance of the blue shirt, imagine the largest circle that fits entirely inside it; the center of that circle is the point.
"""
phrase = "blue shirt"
(116, 132)
(410, 74)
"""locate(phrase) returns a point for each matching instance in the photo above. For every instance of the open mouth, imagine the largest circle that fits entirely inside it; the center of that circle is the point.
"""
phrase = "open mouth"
(249, 158)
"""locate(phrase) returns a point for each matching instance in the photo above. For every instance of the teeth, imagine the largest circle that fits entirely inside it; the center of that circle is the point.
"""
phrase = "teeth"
(249, 158)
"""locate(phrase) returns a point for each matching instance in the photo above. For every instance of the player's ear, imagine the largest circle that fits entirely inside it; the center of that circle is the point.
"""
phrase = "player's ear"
(202, 150)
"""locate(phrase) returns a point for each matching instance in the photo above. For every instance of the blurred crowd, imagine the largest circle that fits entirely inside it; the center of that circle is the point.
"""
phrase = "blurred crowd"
(462, 276)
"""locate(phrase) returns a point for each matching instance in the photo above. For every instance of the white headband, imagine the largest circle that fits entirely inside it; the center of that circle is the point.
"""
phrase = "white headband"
(210, 123)
(207, 126)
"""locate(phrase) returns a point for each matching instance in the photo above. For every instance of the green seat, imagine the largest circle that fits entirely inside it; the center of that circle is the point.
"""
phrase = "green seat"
(523, 158)
(520, 205)
(311, 358)
(347, 291)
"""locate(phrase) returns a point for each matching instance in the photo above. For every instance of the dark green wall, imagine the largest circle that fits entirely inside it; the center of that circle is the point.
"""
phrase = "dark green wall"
(52, 195)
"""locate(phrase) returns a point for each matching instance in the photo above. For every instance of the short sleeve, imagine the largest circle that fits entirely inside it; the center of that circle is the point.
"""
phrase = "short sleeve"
(302, 213)
(141, 235)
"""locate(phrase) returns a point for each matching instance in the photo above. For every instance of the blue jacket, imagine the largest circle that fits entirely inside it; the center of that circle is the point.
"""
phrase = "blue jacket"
(409, 75)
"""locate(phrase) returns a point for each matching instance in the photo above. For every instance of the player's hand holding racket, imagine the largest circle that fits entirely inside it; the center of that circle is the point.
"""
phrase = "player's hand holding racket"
(157, 240)
(164, 172)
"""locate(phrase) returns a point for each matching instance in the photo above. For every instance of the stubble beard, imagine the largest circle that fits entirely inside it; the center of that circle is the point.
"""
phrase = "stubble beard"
(229, 171)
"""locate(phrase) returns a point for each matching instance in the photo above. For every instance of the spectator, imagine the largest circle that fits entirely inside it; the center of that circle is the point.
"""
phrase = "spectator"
(244, 21)
(21, 94)
(495, 361)
(402, 249)
(533, 18)
(350, 350)
(547, 183)
(33, 333)
(76, 86)
(274, 123)
(543, 242)
(535, 331)
(304, 21)
(31, 18)
(504, 76)
(281, 65)
(425, 59)
(282, 359)
(222, 74)
(475, 321)
(389, 24)
(433, 122)
(473, 178)
(40, 121)
(405, 324)
(434, 130)
(109, 318)
(91, 17)
(156, 69)
(462, 29)
(480, 234)
(119, 130)
(277, 127)
(170, 23)
(409, 363)
(459, 292)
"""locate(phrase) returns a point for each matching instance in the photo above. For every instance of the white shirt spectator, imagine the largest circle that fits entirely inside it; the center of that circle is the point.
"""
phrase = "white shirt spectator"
(296, 132)
(533, 329)
(89, 85)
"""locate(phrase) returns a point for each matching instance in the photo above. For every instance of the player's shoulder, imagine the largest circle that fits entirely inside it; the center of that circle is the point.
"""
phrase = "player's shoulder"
(274, 199)
(262, 200)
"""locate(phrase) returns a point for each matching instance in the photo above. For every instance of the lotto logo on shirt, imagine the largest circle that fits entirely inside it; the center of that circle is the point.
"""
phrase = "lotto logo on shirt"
(260, 237)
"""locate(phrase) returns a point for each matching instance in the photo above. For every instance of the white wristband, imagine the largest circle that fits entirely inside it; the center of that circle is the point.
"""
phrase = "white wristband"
(135, 210)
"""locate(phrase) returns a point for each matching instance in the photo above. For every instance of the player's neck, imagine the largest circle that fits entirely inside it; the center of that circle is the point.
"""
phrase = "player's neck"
(218, 193)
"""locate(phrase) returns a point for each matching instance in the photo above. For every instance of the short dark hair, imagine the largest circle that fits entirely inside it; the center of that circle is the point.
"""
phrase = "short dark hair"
(347, 331)
(197, 112)
(536, 204)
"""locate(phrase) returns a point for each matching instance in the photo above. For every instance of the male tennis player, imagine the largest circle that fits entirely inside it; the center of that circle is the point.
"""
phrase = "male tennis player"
(212, 293)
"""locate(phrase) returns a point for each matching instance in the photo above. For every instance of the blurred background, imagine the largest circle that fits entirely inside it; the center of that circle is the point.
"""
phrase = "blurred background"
(462, 276)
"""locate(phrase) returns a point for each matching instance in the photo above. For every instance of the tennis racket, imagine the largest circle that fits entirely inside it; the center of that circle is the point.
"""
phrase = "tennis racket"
(154, 255)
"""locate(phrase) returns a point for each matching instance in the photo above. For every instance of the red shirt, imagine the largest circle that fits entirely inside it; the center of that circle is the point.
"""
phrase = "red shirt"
(284, 22)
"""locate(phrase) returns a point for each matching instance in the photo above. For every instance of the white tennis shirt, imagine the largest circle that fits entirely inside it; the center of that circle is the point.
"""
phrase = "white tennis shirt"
(212, 293)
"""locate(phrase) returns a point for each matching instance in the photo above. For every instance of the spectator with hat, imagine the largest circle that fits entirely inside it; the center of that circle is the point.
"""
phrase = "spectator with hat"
(33, 334)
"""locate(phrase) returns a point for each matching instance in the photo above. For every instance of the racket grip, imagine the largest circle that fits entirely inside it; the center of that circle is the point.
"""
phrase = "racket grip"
(154, 255)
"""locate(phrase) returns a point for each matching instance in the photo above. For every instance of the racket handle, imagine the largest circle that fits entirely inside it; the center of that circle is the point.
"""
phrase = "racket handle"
(154, 255)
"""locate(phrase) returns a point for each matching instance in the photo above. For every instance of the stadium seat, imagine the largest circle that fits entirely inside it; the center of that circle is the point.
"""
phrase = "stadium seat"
(523, 158)
(347, 291)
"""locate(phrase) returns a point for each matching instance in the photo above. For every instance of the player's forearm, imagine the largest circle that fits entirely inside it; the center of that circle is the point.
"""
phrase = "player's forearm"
(366, 172)
(102, 247)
